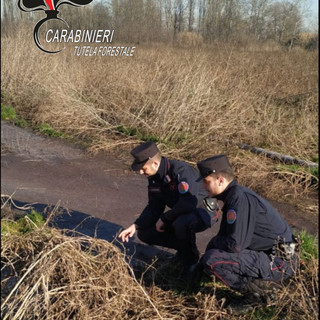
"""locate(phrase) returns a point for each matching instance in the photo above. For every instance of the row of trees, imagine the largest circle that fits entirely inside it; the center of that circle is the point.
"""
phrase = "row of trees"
(163, 20)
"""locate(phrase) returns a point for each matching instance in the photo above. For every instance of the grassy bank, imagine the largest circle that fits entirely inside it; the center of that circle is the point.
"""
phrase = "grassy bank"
(193, 102)
(46, 274)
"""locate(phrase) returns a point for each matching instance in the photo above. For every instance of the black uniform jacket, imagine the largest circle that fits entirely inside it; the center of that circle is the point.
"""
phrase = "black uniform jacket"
(174, 186)
(248, 222)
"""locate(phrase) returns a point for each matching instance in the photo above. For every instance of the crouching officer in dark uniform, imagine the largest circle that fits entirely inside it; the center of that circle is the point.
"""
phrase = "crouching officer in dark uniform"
(171, 183)
(254, 247)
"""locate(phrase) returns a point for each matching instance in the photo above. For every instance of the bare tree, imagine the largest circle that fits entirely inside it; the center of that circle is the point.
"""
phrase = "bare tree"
(284, 21)
(178, 25)
(201, 15)
(256, 23)
(191, 15)
(212, 19)
(161, 20)
(10, 16)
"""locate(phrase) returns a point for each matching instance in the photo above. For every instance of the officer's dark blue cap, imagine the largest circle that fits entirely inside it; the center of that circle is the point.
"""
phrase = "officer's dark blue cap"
(142, 154)
(213, 164)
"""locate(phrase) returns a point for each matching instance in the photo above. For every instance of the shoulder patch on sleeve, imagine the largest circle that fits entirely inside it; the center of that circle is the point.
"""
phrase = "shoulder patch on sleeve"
(231, 216)
(183, 187)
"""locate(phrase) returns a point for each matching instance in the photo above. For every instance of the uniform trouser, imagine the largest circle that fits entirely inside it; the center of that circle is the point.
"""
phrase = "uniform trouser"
(179, 235)
(236, 269)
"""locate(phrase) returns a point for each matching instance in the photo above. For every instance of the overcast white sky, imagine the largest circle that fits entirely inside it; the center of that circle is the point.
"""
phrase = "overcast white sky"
(313, 22)
(315, 6)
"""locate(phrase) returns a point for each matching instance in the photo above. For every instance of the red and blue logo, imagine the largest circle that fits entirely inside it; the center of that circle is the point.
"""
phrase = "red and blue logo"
(183, 187)
(231, 216)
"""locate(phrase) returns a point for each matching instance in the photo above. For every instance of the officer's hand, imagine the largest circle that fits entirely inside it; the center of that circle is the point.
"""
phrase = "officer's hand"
(128, 233)
(160, 226)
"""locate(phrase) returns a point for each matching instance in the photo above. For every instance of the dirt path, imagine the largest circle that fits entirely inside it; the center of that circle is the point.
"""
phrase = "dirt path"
(102, 194)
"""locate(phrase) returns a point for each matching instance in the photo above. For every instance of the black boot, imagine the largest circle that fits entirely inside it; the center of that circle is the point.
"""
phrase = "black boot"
(252, 296)
(191, 274)
(176, 258)
(265, 291)
(267, 286)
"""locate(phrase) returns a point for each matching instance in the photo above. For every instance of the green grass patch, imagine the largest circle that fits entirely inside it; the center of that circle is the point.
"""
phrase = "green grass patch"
(144, 136)
(294, 168)
(151, 137)
(308, 173)
(23, 225)
(309, 246)
(267, 313)
(134, 132)
(315, 171)
(47, 130)
(128, 131)
(9, 114)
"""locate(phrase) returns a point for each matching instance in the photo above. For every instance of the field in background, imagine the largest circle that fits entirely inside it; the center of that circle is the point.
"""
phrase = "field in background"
(195, 102)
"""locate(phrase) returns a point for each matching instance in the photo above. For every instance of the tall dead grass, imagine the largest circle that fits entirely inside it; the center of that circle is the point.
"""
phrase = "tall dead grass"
(46, 274)
(52, 276)
(197, 102)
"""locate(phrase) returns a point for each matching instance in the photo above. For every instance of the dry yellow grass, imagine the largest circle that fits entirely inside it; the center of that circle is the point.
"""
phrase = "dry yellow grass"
(46, 274)
(197, 102)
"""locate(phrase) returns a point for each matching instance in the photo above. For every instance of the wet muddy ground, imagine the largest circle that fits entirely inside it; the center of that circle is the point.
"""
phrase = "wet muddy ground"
(99, 194)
